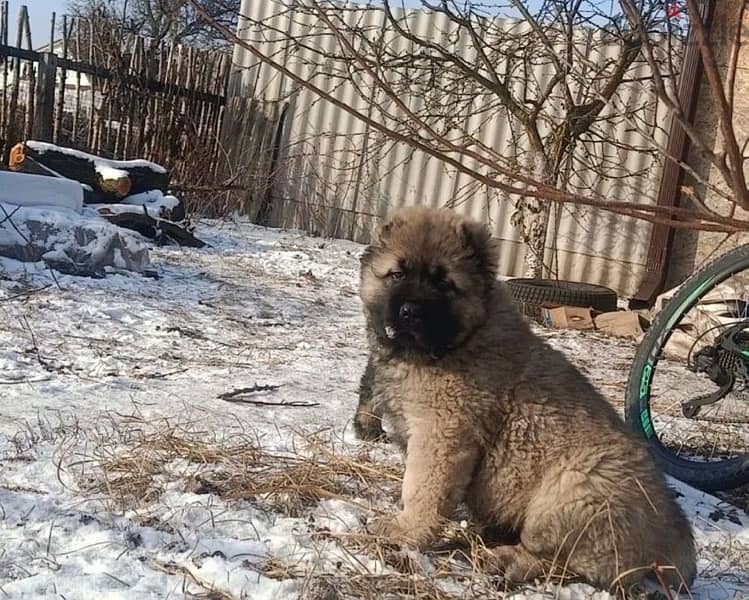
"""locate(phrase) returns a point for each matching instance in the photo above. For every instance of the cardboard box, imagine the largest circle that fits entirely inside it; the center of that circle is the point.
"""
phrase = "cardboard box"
(622, 323)
(567, 317)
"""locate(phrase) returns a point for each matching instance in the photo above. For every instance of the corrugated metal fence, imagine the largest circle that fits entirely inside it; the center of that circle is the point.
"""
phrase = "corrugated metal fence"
(337, 177)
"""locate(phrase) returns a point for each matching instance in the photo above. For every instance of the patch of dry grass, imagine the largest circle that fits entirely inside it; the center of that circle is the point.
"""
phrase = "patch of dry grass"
(132, 462)
(454, 570)
(131, 468)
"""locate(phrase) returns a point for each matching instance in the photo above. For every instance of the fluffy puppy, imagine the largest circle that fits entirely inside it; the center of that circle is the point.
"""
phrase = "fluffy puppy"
(490, 415)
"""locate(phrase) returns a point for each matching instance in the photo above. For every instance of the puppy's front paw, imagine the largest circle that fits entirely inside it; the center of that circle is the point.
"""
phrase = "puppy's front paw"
(401, 530)
(368, 427)
(383, 526)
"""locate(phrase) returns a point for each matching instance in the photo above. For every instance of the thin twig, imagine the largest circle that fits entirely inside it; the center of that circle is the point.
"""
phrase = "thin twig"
(20, 381)
(235, 396)
(283, 403)
(248, 390)
(161, 375)
(24, 294)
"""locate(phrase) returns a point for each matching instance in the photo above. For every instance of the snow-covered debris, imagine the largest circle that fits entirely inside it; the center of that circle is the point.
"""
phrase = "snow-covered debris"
(24, 189)
(132, 194)
(155, 202)
(152, 199)
(124, 475)
(69, 241)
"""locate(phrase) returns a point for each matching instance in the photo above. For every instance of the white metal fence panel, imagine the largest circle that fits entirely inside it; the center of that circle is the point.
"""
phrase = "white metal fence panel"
(339, 177)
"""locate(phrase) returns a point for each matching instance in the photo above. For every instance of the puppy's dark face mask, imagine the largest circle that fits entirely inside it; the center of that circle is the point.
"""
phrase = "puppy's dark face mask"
(424, 285)
(417, 312)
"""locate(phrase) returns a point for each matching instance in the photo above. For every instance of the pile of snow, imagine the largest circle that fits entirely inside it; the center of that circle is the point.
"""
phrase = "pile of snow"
(105, 171)
(42, 219)
(75, 242)
(89, 371)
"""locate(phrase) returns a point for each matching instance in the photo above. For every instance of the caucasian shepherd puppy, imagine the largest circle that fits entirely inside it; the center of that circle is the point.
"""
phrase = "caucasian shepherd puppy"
(490, 415)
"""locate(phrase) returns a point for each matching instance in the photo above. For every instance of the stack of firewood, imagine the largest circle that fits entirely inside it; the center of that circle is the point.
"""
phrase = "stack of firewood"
(108, 182)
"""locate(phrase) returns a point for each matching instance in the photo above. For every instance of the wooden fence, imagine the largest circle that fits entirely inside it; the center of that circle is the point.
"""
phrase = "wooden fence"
(99, 88)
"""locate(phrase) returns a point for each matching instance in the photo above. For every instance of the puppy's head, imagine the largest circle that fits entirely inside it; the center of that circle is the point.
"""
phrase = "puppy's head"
(425, 283)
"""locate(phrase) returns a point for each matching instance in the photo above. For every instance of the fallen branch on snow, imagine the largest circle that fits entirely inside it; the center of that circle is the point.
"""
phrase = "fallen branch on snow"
(248, 390)
(236, 396)
(284, 403)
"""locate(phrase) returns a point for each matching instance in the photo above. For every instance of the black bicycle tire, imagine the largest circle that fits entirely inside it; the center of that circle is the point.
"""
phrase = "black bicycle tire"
(537, 292)
(712, 476)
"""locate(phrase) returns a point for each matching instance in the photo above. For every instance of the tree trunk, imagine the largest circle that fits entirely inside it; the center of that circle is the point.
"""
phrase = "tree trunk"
(535, 226)
(535, 221)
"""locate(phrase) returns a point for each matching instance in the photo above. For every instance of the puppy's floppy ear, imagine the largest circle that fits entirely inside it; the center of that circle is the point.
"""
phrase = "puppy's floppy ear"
(366, 258)
(390, 225)
(483, 248)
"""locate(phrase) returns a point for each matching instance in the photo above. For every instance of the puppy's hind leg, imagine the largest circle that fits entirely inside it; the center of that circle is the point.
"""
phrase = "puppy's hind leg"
(577, 531)
(367, 421)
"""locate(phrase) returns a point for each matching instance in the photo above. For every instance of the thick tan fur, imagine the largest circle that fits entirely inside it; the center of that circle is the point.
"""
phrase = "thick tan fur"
(506, 424)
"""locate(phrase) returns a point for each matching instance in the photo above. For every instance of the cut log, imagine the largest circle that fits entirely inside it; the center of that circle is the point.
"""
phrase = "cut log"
(109, 180)
(23, 163)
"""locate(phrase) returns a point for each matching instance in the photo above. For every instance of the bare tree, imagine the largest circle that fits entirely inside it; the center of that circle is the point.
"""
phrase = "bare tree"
(480, 56)
(163, 20)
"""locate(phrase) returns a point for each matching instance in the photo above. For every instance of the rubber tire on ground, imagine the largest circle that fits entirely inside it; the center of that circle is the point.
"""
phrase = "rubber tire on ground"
(537, 292)
(711, 476)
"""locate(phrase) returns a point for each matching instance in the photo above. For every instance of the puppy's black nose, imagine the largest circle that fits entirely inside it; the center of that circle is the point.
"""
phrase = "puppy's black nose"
(409, 311)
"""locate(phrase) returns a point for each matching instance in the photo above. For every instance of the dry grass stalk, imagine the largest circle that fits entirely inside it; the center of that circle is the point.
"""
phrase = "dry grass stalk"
(378, 587)
(209, 591)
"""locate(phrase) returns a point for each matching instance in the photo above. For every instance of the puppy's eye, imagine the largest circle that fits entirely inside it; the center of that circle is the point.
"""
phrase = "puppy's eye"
(445, 285)
(396, 275)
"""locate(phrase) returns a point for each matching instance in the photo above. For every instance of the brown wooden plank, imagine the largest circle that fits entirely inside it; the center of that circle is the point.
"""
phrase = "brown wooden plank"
(44, 98)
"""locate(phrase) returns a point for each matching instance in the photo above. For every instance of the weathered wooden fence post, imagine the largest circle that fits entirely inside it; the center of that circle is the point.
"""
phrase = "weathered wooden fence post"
(44, 103)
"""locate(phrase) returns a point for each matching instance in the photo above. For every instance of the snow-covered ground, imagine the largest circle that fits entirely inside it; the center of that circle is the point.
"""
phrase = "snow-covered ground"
(124, 474)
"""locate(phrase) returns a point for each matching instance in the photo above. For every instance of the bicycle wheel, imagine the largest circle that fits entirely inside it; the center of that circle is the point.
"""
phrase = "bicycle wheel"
(688, 388)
